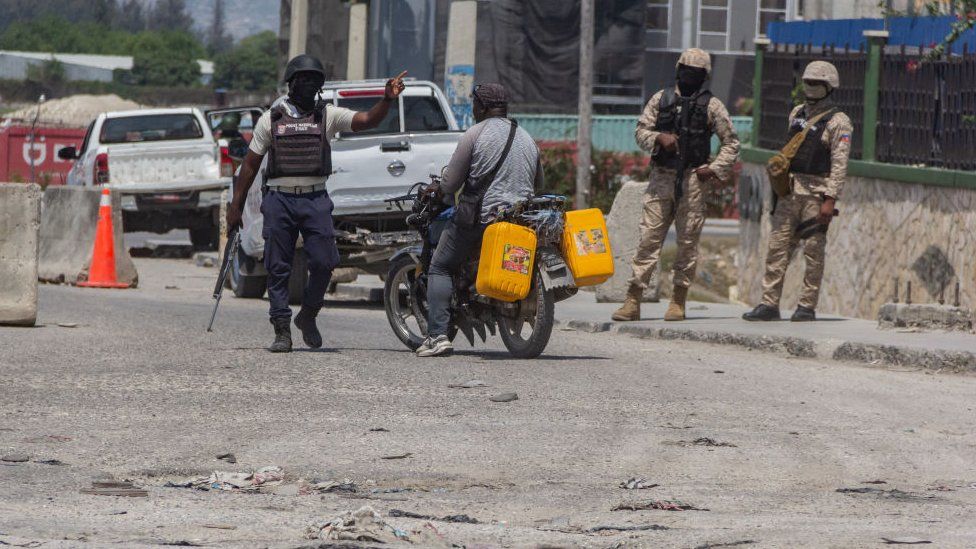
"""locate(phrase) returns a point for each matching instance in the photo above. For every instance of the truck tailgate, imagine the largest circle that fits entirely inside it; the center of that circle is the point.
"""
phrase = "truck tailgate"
(164, 166)
(364, 174)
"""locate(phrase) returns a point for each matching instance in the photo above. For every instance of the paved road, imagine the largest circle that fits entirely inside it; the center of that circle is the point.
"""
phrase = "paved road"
(138, 391)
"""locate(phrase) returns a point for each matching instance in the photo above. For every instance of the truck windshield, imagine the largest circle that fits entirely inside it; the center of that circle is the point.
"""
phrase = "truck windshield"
(154, 127)
(390, 124)
(423, 114)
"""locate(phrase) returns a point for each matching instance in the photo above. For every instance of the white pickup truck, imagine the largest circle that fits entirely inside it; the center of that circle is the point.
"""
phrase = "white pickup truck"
(415, 140)
(165, 164)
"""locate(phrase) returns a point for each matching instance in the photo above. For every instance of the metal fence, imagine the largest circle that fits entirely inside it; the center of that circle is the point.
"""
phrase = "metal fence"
(782, 76)
(927, 111)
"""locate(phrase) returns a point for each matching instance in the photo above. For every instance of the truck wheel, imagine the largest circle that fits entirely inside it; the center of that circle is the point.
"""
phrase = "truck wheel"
(299, 277)
(247, 286)
(206, 239)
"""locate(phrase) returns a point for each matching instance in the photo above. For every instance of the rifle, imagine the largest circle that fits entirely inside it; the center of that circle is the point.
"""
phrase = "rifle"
(811, 226)
(229, 252)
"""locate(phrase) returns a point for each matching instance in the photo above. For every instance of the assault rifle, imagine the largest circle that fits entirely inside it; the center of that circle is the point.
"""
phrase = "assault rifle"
(229, 252)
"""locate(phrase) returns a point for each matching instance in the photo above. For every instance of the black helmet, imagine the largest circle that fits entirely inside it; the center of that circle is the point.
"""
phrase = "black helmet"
(303, 63)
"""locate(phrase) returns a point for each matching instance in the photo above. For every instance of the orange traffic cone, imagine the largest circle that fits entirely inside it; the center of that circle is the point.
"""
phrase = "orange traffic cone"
(101, 274)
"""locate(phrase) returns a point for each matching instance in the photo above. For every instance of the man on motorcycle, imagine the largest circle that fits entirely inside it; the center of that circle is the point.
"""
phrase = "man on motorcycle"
(495, 165)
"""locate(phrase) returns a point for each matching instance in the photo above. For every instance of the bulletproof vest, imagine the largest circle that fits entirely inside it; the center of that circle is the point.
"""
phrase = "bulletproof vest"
(813, 157)
(687, 117)
(299, 145)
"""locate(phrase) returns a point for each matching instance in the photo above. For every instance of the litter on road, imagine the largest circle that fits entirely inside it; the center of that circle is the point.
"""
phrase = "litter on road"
(702, 441)
(636, 483)
(365, 524)
(397, 456)
(468, 384)
(628, 528)
(659, 505)
(226, 480)
(504, 397)
(894, 493)
(906, 541)
(15, 458)
(449, 518)
(229, 458)
(122, 488)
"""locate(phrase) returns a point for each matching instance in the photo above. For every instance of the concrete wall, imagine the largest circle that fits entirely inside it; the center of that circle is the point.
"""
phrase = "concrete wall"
(20, 217)
(886, 229)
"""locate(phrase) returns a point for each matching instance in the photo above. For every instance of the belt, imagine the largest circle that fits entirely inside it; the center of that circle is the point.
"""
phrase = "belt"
(298, 189)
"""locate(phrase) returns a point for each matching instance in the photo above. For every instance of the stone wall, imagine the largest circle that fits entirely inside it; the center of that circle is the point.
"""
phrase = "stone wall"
(886, 230)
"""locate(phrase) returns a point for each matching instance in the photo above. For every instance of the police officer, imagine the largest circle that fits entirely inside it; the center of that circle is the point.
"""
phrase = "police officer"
(676, 127)
(817, 174)
(296, 133)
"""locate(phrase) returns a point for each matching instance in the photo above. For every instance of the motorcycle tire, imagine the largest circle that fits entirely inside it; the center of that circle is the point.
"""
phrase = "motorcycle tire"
(511, 329)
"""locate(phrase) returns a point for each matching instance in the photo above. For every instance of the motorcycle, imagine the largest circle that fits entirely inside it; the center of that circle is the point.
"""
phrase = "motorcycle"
(524, 325)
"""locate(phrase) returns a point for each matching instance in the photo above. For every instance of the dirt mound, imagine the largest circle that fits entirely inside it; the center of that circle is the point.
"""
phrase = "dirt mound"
(75, 111)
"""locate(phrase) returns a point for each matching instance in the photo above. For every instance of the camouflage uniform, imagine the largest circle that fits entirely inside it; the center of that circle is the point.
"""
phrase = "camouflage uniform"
(801, 205)
(659, 210)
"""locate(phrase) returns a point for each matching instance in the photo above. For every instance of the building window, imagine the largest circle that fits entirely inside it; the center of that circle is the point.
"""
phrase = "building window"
(658, 15)
(769, 11)
(713, 25)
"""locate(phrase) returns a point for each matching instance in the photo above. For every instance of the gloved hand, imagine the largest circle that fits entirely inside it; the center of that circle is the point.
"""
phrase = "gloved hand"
(826, 211)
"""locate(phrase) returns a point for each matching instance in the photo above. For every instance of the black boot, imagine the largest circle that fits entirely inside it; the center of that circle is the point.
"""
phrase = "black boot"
(282, 342)
(762, 312)
(305, 320)
(804, 314)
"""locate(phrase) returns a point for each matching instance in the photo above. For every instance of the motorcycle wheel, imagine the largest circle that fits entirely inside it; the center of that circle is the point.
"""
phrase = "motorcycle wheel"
(405, 308)
(526, 334)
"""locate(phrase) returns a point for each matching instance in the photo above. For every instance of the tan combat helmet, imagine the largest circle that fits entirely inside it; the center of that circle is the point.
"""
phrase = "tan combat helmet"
(822, 71)
(695, 57)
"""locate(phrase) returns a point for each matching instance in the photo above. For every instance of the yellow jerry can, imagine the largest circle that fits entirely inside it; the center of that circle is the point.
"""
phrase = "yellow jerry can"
(586, 247)
(507, 256)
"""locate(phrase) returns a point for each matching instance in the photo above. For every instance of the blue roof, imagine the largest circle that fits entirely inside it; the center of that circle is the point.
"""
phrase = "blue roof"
(908, 31)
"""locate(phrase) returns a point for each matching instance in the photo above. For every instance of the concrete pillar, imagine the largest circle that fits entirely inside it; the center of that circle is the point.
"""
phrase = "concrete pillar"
(356, 57)
(761, 43)
(298, 30)
(20, 222)
(462, 34)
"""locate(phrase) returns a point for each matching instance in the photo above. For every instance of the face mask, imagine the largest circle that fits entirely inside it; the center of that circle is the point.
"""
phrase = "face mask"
(814, 92)
(302, 91)
(690, 79)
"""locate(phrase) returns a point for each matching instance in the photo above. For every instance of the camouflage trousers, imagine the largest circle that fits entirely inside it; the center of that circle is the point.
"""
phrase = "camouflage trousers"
(790, 212)
(659, 213)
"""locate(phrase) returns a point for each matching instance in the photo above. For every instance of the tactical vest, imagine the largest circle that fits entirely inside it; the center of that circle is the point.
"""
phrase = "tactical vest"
(687, 117)
(299, 145)
(813, 157)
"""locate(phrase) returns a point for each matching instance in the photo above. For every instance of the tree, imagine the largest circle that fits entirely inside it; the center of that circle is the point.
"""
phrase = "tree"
(130, 16)
(170, 15)
(250, 65)
(166, 58)
(218, 41)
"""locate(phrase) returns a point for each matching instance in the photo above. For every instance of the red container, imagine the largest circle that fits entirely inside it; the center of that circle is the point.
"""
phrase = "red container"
(16, 153)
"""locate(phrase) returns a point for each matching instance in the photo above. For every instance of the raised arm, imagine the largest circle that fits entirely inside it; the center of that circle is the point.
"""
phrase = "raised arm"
(372, 118)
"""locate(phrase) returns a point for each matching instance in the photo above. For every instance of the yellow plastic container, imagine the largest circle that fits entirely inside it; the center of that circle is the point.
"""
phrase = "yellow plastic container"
(507, 256)
(586, 247)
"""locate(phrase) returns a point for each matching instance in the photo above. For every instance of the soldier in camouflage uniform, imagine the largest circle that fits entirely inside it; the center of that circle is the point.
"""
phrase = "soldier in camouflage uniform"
(676, 127)
(817, 172)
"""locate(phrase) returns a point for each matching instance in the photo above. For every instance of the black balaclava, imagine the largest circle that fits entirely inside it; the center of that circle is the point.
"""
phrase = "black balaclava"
(303, 88)
(690, 79)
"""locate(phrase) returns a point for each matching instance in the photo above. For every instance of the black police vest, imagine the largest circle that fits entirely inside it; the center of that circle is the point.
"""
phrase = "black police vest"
(813, 157)
(688, 118)
(299, 145)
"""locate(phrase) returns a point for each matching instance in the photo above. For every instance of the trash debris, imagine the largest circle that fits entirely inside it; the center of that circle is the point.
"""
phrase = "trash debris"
(204, 260)
(68, 324)
(172, 287)
(471, 384)
(398, 456)
(718, 371)
(15, 458)
(874, 482)
(118, 513)
(115, 488)
(702, 441)
(504, 397)
(634, 528)
(449, 518)
(225, 480)
(229, 458)
(660, 505)
(50, 462)
(365, 524)
(394, 490)
(635, 483)
(220, 526)
(894, 493)
(379, 430)
(729, 544)
(330, 486)
(906, 541)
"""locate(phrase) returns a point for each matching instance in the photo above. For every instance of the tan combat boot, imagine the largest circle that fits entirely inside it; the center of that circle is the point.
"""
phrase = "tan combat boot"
(676, 310)
(630, 310)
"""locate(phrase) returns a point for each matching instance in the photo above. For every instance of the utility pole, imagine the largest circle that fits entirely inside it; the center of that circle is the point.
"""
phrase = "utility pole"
(583, 145)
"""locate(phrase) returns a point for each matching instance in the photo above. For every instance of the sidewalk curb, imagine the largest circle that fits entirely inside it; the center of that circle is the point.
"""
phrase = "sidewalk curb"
(841, 351)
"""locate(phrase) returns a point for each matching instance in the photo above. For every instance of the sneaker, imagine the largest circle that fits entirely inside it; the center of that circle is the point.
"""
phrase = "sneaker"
(435, 346)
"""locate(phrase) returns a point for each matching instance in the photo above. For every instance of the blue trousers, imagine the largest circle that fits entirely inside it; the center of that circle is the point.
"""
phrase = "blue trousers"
(285, 216)
(455, 246)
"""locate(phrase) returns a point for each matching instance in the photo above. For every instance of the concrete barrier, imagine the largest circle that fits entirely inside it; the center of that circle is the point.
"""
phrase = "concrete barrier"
(622, 223)
(69, 217)
(20, 219)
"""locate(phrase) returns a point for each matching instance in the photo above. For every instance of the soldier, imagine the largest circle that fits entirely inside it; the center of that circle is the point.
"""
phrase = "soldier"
(817, 175)
(676, 128)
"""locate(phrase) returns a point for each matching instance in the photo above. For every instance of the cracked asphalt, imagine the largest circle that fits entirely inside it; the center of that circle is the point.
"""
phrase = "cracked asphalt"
(137, 390)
